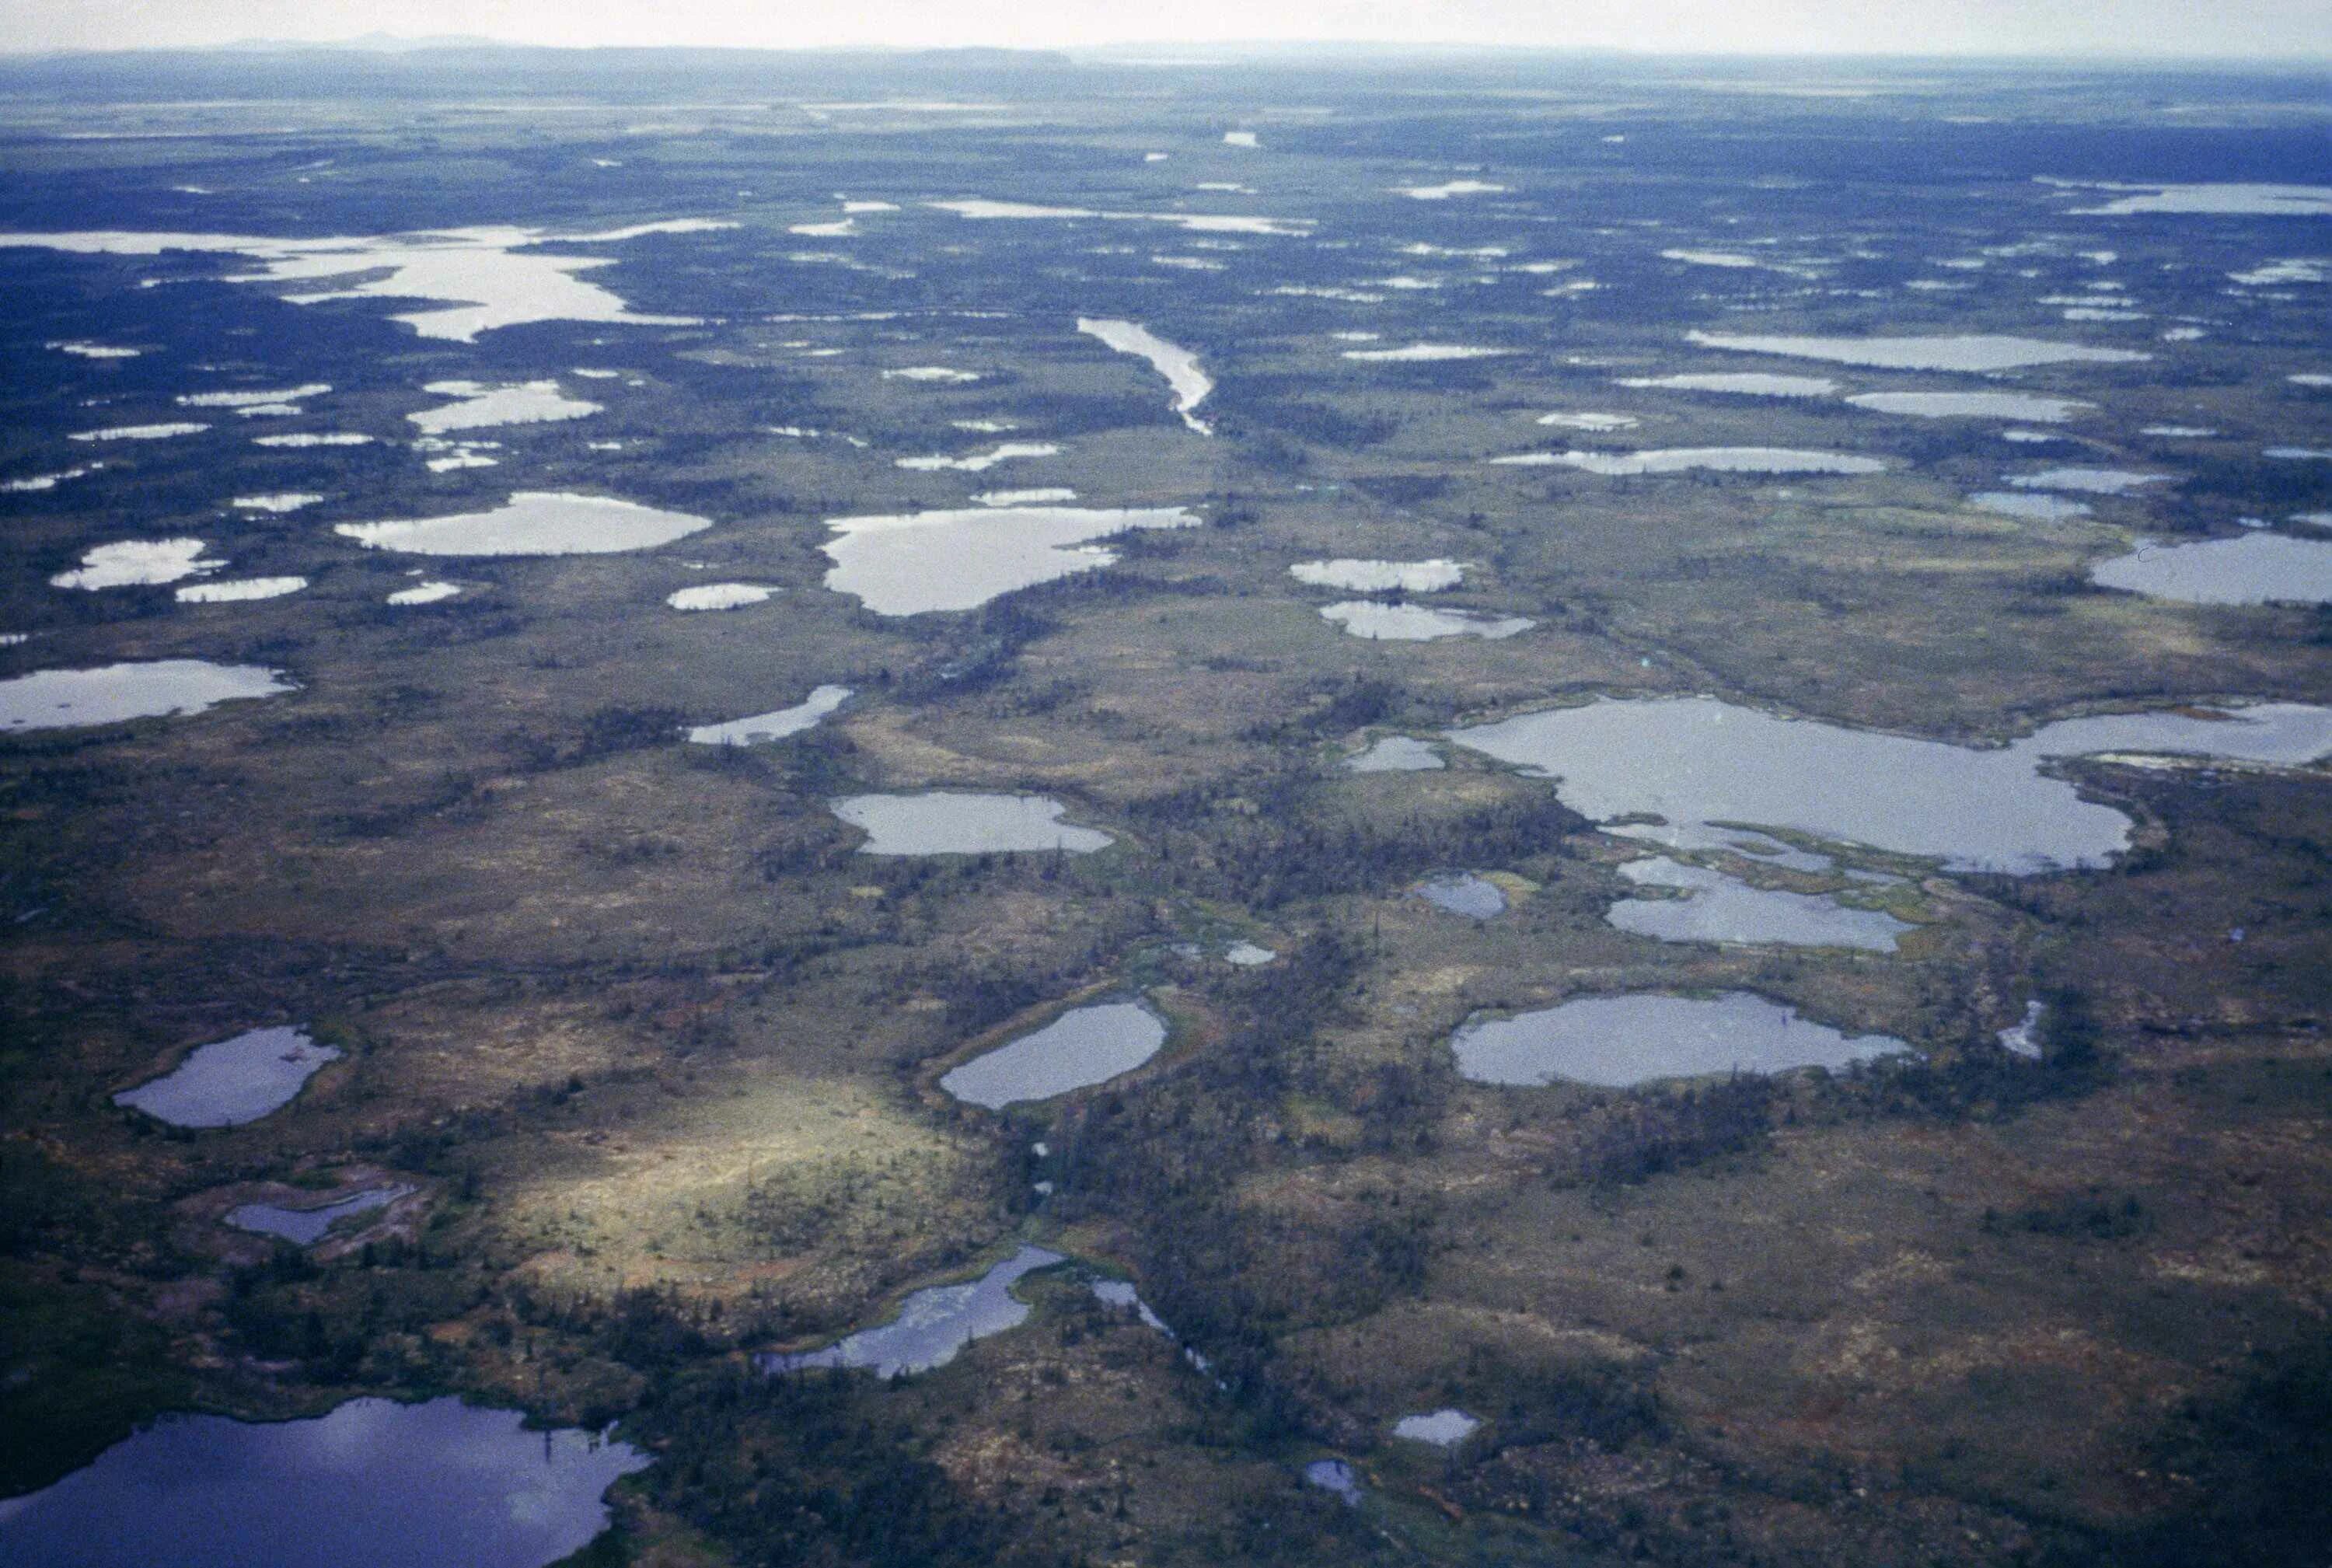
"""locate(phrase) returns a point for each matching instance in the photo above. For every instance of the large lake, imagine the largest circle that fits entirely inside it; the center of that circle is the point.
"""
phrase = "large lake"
(949, 822)
(1617, 1042)
(1700, 760)
(959, 560)
(440, 1485)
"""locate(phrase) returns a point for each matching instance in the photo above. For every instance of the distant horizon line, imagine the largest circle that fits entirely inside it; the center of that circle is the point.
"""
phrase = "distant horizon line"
(395, 44)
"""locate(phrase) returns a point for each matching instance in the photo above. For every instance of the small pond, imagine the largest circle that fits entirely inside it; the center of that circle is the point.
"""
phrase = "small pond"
(1463, 893)
(232, 1081)
(1443, 1427)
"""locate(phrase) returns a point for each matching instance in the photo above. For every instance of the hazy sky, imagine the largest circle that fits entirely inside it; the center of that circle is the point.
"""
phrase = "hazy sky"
(2250, 27)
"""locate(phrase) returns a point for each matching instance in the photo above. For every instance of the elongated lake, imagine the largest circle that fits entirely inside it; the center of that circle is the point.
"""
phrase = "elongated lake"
(305, 1226)
(533, 522)
(1082, 1047)
(932, 1325)
(1188, 384)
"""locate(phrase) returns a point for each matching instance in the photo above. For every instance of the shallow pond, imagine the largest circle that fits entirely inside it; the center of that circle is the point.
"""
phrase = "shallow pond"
(949, 822)
(304, 1227)
(774, 726)
(232, 1081)
(719, 596)
(2030, 506)
(2229, 199)
(2022, 1038)
(2089, 481)
(1973, 406)
(1427, 353)
(240, 590)
(111, 694)
(1396, 754)
(1082, 1047)
(1962, 351)
(1463, 893)
(137, 563)
(1701, 760)
(489, 277)
(1621, 1041)
(1443, 1428)
(533, 522)
(932, 1324)
(1715, 459)
(959, 560)
(426, 593)
(1335, 1476)
(1377, 577)
(440, 1485)
(1419, 623)
(1189, 383)
(2256, 568)
(478, 406)
(1725, 909)
(1743, 383)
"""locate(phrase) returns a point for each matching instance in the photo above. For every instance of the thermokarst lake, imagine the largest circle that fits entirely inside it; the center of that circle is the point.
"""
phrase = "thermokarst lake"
(1702, 760)
(1615, 763)
(1621, 1041)
(114, 693)
(439, 1485)
(1082, 1047)
(915, 563)
(952, 822)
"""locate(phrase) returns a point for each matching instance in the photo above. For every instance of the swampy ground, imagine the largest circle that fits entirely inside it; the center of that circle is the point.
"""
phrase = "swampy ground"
(658, 1052)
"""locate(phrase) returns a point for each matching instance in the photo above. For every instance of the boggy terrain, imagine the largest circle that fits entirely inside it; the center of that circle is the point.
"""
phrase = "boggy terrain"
(640, 1065)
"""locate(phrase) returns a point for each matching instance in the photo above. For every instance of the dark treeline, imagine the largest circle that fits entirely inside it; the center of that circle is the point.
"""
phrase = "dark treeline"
(1263, 839)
